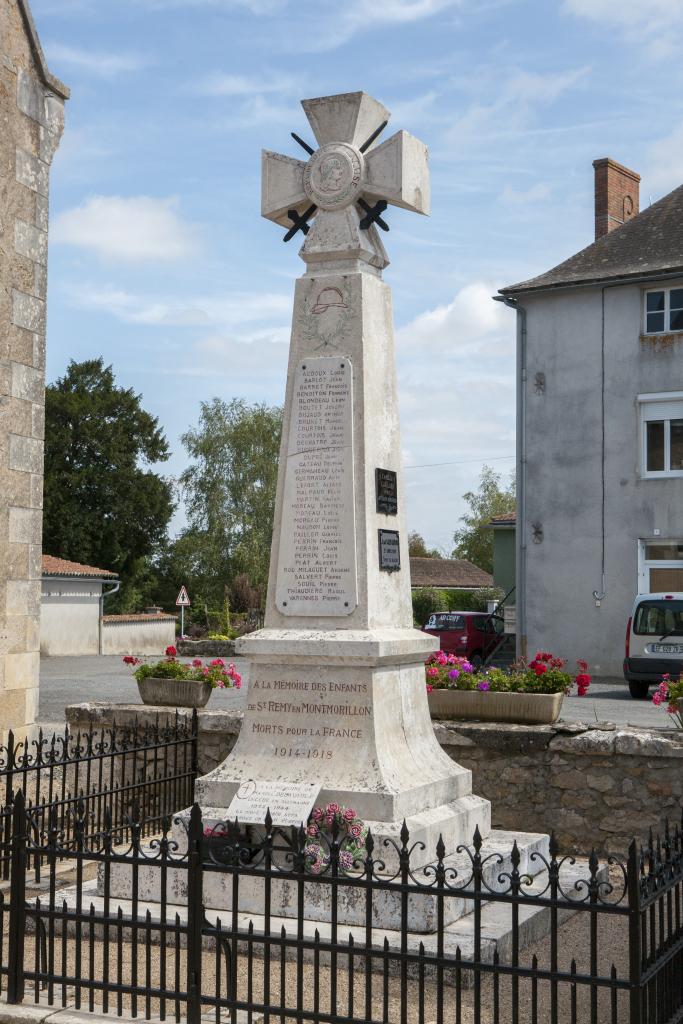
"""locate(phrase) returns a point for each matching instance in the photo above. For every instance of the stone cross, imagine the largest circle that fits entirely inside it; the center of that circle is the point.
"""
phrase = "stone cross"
(347, 182)
(337, 679)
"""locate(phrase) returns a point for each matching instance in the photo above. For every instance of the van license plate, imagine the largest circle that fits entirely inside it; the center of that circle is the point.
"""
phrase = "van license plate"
(666, 648)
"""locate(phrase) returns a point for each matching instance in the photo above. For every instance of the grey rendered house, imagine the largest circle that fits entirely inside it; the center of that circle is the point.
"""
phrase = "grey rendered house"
(600, 428)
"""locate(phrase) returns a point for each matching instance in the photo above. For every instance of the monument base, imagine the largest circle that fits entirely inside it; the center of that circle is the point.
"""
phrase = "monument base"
(421, 912)
(348, 709)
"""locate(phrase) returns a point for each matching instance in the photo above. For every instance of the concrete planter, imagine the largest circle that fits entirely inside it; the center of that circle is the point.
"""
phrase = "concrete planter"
(174, 693)
(525, 708)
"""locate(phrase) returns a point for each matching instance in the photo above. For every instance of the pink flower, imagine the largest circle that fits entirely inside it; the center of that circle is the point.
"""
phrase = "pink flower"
(238, 684)
(333, 808)
(356, 831)
(205, 670)
(433, 673)
(672, 708)
(197, 663)
(349, 814)
(317, 813)
(217, 663)
(430, 689)
(171, 651)
(657, 698)
(312, 830)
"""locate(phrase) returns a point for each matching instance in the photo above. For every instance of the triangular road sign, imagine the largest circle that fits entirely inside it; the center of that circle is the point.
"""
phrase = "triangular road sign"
(183, 600)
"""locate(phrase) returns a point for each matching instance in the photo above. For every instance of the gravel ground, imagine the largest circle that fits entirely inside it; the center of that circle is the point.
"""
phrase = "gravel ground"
(421, 1001)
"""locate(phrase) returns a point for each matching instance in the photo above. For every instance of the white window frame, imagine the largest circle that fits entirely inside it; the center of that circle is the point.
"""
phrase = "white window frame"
(644, 564)
(663, 405)
(667, 310)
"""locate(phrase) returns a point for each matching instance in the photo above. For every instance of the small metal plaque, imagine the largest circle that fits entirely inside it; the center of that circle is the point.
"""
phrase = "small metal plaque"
(289, 803)
(387, 492)
(389, 551)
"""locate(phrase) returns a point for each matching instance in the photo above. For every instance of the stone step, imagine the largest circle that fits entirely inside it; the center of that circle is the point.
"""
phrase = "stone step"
(496, 926)
(351, 904)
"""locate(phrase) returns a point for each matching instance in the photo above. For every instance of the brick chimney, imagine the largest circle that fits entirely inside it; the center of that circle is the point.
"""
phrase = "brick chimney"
(617, 195)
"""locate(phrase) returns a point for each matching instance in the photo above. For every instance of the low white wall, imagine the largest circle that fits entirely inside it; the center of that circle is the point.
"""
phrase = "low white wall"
(137, 634)
(70, 617)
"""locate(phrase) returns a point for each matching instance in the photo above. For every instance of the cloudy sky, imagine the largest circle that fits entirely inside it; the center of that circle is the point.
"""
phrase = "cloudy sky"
(161, 263)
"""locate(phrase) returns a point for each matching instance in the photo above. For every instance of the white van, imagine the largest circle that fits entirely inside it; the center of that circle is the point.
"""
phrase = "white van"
(654, 641)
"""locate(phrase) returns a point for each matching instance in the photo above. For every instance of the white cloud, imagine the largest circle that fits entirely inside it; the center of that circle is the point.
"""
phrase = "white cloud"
(219, 83)
(517, 99)
(664, 169)
(137, 229)
(456, 372)
(649, 23)
(227, 311)
(519, 197)
(471, 316)
(103, 65)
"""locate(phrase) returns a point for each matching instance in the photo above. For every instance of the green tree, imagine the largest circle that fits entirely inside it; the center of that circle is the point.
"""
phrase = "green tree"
(417, 547)
(475, 540)
(229, 493)
(103, 504)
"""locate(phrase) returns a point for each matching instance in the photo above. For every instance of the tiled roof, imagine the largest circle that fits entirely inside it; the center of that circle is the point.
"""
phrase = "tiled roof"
(506, 519)
(649, 244)
(62, 567)
(447, 572)
(141, 617)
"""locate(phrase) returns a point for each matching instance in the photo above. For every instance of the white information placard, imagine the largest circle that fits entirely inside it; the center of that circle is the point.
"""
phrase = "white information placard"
(289, 803)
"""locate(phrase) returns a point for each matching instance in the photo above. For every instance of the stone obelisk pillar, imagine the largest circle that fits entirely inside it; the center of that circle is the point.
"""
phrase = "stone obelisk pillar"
(337, 691)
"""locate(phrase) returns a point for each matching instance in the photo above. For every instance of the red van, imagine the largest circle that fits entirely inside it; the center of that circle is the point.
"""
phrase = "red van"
(471, 635)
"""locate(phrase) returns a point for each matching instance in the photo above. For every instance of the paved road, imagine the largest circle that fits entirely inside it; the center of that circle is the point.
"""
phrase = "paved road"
(73, 680)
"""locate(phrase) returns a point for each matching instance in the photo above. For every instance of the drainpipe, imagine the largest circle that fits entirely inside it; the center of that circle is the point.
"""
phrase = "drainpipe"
(115, 586)
(520, 539)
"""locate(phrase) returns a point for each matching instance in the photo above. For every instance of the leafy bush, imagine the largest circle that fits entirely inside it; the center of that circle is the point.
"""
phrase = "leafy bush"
(427, 600)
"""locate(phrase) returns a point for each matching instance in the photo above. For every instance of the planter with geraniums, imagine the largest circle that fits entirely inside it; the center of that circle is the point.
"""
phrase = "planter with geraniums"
(527, 694)
(181, 684)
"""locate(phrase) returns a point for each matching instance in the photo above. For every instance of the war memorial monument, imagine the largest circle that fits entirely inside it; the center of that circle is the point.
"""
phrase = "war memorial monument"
(337, 683)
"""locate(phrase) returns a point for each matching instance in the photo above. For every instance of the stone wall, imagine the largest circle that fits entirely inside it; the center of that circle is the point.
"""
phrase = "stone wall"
(592, 785)
(31, 124)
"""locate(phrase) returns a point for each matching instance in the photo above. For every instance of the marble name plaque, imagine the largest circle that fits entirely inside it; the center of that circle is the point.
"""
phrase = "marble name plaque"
(387, 492)
(316, 572)
(389, 551)
(289, 803)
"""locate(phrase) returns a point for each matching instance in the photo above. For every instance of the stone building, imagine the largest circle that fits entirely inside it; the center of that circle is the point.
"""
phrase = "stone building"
(31, 124)
(600, 427)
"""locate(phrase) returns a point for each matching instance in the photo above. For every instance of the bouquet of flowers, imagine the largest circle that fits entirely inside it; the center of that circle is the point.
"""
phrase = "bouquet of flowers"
(351, 836)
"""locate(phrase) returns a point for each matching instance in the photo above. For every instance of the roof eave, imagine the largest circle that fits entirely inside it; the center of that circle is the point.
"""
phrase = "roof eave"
(50, 80)
(109, 578)
(593, 282)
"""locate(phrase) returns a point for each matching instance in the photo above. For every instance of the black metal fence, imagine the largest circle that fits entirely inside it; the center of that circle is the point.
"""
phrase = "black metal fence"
(220, 919)
(106, 771)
